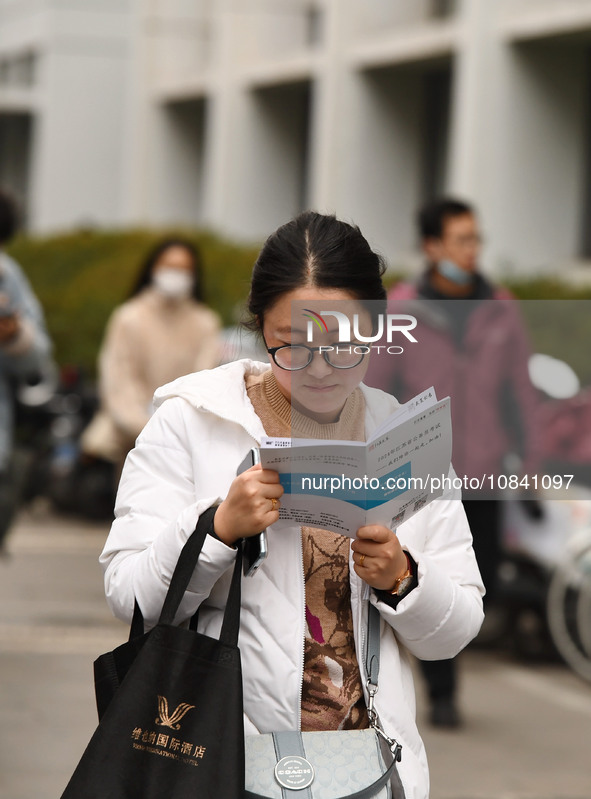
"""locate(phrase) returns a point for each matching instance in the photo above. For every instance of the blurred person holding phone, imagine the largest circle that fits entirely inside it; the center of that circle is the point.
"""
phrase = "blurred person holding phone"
(25, 351)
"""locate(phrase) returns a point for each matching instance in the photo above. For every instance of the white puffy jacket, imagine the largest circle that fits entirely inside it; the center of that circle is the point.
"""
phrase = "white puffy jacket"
(184, 461)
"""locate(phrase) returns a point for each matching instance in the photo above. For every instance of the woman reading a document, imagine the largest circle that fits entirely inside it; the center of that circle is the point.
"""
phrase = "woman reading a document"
(303, 614)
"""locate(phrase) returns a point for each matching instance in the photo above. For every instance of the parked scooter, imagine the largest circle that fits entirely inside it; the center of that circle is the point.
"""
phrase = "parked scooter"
(50, 423)
(543, 537)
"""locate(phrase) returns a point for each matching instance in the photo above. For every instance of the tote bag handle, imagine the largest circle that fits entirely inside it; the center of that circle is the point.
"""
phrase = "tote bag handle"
(180, 580)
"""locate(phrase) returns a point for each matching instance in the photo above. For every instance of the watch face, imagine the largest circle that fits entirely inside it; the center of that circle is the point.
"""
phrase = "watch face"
(404, 586)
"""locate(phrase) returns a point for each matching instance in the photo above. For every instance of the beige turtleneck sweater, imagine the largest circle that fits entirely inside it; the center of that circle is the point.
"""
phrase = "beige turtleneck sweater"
(332, 696)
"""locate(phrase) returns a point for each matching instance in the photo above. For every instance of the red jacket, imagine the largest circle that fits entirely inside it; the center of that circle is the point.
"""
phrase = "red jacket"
(480, 362)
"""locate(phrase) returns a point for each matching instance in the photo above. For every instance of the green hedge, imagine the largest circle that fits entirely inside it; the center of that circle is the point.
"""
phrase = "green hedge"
(560, 329)
(547, 288)
(81, 277)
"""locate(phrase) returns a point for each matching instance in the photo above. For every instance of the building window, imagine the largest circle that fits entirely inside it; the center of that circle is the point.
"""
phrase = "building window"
(25, 68)
(18, 71)
(4, 72)
(439, 9)
(436, 118)
(314, 26)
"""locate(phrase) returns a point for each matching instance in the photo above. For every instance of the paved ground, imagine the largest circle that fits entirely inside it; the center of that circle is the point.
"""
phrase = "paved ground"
(527, 732)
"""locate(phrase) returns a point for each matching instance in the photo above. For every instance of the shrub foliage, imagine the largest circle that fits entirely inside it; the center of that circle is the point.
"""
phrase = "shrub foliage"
(80, 277)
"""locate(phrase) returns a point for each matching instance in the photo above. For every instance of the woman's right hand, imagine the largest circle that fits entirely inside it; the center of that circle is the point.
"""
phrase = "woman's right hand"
(251, 506)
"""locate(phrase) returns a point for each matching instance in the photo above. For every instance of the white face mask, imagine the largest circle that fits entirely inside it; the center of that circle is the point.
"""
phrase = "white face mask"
(176, 284)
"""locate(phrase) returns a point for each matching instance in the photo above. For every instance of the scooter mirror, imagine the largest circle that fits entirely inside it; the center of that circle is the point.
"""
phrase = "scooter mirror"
(552, 376)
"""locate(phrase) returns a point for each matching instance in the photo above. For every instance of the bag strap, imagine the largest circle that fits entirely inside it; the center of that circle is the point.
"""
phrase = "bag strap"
(137, 623)
(295, 746)
(185, 567)
(365, 793)
(180, 580)
(372, 652)
(231, 622)
(372, 670)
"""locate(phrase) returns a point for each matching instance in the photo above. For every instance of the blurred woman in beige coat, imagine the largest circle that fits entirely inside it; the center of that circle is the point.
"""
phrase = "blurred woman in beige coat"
(163, 331)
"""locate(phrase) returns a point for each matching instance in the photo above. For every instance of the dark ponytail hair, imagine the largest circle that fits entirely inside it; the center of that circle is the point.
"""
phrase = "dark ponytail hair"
(315, 250)
(144, 277)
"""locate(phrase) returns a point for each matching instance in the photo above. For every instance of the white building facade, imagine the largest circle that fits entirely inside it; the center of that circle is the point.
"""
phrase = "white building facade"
(237, 114)
(64, 87)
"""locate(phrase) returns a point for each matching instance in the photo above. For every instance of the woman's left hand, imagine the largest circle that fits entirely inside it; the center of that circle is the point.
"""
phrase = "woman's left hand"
(379, 558)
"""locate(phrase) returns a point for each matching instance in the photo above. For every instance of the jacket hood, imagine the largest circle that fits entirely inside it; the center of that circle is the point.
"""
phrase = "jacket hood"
(220, 391)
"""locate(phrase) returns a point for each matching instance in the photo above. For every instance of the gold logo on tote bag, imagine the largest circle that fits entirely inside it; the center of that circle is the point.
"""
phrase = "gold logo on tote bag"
(172, 721)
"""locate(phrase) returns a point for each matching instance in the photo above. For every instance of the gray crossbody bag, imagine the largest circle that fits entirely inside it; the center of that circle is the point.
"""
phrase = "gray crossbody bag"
(346, 764)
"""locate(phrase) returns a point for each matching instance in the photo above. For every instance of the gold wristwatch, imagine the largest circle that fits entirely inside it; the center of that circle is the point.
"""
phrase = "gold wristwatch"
(404, 582)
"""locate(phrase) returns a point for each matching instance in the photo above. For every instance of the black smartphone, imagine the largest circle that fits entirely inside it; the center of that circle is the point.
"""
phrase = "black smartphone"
(255, 548)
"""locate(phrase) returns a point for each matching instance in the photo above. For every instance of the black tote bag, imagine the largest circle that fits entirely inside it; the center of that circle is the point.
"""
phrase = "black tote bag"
(170, 706)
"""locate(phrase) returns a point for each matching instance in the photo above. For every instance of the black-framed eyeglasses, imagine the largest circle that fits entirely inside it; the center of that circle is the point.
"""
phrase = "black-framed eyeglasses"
(293, 357)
